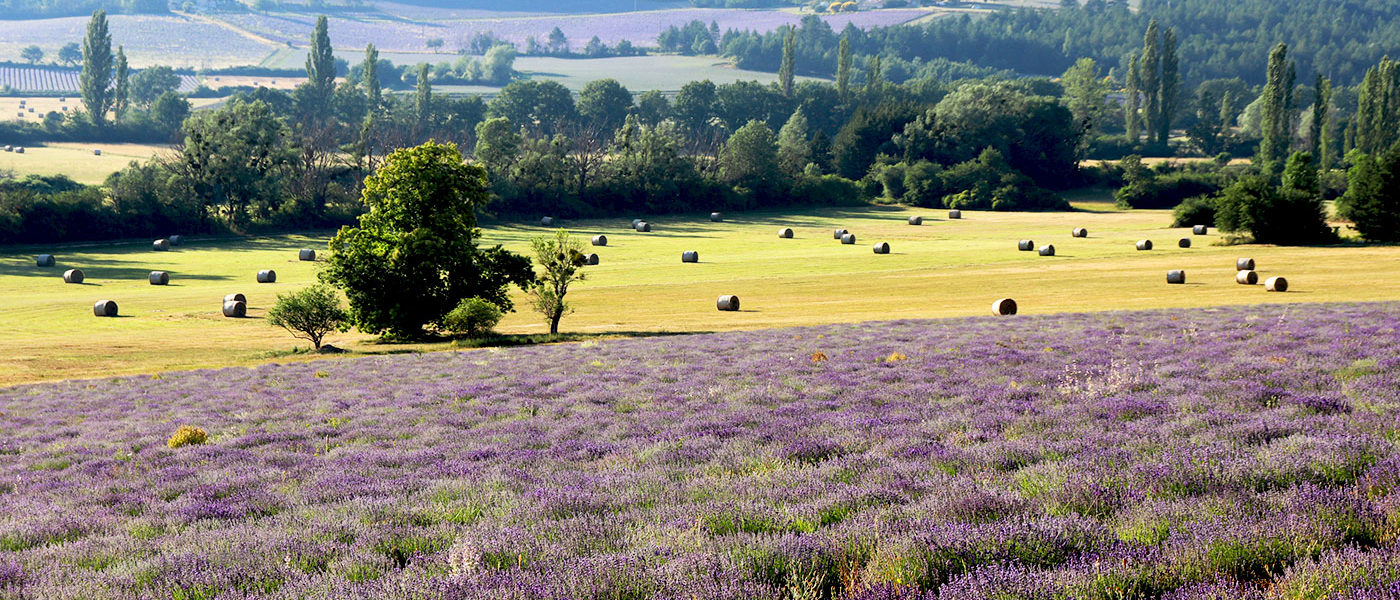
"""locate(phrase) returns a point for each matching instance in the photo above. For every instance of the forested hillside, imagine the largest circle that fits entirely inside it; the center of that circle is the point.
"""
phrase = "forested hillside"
(42, 9)
(1338, 38)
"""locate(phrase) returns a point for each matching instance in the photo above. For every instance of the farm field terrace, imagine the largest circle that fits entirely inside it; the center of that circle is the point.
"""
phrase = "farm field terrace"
(1176, 454)
(940, 269)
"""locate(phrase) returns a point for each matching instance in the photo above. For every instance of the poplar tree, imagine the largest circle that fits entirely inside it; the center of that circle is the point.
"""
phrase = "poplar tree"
(1132, 116)
(122, 89)
(1322, 99)
(320, 69)
(1275, 101)
(785, 72)
(371, 75)
(1170, 92)
(874, 81)
(843, 67)
(423, 96)
(1150, 76)
(96, 79)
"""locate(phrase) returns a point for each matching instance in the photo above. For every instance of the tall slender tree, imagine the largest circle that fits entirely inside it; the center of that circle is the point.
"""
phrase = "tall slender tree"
(423, 97)
(1322, 100)
(786, 71)
(874, 80)
(122, 88)
(1132, 115)
(1273, 143)
(843, 67)
(95, 82)
(1150, 74)
(371, 74)
(1378, 108)
(1170, 93)
(320, 68)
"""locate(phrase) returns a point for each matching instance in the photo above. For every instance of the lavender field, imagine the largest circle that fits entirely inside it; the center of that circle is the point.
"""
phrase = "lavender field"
(1246, 452)
(148, 40)
(638, 27)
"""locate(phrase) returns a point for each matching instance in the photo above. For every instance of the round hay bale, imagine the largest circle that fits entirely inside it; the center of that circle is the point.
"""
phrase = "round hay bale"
(73, 276)
(1199, 229)
(636, 222)
(306, 254)
(547, 221)
(45, 260)
(785, 233)
(848, 239)
(836, 235)
(1246, 277)
(176, 240)
(727, 303)
(236, 298)
(235, 309)
(716, 217)
(159, 278)
(1276, 284)
(97, 152)
(9, 148)
(105, 308)
(1047, 250)
(600, 240)
(1004, 307)
(644, 227)
(1144, 245)
(590, 259)
(1025, 245)
(1183, 243)
(1244, 264)
(160, 245)
(1176, 276)
(916, 220)
(954, 214)
(1079, 232)
(690, 256)
(882, 248)
(268, 276)
(19, 149)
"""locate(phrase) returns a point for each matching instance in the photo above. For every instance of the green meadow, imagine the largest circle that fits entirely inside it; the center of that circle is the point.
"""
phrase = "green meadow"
(943, 268)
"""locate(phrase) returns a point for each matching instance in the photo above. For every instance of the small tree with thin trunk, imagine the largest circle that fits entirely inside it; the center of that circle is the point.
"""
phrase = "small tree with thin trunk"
(309, 313)
(562, 259)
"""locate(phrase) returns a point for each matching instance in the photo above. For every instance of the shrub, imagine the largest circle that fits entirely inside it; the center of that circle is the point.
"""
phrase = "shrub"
(474, 317)
(187, 435)
(309, 314)
(1195, 211)
(1272, 215)
(1166, 191)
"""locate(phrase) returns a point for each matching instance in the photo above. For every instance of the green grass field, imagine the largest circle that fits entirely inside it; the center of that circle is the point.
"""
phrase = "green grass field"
(77, 160)
(940, 269)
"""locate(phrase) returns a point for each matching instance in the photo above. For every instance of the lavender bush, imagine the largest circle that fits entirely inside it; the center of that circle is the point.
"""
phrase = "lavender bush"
(1246, 452)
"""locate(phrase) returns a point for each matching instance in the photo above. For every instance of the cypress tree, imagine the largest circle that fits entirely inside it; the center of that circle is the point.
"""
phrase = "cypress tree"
(1169, 95)
(96, 79)
(843, 67)
(785, 72)
(1132, 117)
(1150, 76)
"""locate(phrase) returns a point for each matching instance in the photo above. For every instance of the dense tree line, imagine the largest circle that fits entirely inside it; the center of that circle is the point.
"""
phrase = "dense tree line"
(1216, 40)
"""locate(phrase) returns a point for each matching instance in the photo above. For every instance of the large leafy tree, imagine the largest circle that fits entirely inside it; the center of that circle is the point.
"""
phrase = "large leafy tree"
(540, 106)
(95, 82)
(1372, 201)
(233, 158)
(604, 104)
(414, 255)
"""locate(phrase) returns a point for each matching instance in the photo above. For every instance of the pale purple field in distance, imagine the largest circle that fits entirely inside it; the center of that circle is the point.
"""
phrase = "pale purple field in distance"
(1177, 454)
(639, 28)
(171, 40)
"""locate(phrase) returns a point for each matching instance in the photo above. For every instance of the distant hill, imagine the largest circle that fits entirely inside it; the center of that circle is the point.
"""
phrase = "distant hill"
(42, 9)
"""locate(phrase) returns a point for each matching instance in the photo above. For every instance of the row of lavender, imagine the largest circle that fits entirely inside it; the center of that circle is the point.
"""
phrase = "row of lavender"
(1246, 452)
(637, 27)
